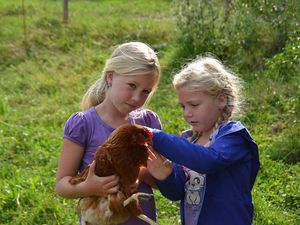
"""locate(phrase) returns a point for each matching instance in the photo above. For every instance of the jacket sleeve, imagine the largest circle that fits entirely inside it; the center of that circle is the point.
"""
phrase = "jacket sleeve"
(173, 186)
(225, 151)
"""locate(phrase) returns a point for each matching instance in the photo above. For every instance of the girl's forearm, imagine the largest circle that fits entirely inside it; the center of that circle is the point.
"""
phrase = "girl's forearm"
(67, 190)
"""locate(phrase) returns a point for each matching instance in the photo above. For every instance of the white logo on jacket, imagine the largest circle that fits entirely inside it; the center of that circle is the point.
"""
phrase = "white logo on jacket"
(192, 186)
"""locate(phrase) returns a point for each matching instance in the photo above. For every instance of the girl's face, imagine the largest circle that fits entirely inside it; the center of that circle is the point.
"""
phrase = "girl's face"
(200, 110)
(128, 93)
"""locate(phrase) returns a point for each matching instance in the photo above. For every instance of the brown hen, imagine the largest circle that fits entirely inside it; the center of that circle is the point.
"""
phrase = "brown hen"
(123, 153)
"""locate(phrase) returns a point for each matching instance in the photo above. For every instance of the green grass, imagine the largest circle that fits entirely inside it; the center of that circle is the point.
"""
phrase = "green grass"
(43, 77)
(44, 74)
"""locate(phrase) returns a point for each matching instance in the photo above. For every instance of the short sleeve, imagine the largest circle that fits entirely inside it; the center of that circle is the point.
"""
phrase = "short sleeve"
(75, 129)
(146, 117)
(153, 119)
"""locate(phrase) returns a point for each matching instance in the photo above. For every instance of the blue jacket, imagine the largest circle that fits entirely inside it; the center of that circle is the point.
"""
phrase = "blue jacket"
(230, 163)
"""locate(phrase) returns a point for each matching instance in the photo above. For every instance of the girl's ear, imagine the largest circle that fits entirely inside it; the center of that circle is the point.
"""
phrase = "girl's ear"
(222, 101)
(109, 77)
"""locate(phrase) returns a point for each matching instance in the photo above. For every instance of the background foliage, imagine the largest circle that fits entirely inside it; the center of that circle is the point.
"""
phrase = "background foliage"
(46, 66)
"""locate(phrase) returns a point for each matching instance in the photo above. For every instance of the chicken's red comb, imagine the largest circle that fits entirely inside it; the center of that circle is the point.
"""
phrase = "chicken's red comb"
(148, 131)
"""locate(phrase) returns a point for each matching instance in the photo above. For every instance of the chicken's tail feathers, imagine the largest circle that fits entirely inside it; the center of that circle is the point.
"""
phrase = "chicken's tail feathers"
(147, 219)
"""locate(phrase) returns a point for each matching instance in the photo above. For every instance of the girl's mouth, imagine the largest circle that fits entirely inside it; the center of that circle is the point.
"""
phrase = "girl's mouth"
(132, 106)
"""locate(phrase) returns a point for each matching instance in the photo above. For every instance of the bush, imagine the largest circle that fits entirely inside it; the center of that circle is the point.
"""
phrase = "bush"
(245, 34)
(285, 65)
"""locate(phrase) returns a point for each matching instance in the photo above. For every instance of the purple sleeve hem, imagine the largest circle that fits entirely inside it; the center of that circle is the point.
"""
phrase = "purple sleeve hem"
(73, 140)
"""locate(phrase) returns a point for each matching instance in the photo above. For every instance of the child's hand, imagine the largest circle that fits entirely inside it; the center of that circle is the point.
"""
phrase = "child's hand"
(158, 166)
(100, 186)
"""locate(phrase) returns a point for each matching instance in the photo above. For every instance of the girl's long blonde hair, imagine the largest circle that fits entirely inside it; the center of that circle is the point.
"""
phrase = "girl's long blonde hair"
(131, 58)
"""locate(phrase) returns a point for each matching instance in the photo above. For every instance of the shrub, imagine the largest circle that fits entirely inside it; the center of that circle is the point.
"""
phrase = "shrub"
(243, 33)
(285, 65)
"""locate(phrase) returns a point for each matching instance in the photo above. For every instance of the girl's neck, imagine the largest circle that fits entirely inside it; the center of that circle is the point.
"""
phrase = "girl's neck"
(110, 115)
(204, 139)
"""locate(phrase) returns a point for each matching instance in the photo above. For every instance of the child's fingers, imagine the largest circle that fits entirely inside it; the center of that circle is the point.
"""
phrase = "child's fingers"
(106, 185)
(154, 153)
(111, 186)
(112, 190)
(106, 179)
(151, 154)
(151, 151)
(158, 156)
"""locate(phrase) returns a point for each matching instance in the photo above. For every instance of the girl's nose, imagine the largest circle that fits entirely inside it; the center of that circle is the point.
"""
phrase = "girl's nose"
(187, 113)
(136, 97)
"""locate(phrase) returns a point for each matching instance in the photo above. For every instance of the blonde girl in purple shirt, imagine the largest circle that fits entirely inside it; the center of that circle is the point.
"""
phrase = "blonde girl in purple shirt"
(129, 78)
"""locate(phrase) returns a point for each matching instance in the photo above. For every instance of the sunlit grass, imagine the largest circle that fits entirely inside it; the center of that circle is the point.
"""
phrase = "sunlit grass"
(44, 74)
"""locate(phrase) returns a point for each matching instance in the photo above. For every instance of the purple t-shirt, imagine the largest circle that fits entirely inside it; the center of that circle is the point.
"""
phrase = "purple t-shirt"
(90, 131)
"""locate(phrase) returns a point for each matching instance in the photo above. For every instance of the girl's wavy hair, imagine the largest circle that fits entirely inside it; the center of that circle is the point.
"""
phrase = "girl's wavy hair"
(131, 58)
(209, 75)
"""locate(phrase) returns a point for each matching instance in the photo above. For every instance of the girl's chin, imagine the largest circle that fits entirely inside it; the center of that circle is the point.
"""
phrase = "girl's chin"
(130, 108)
(195, 129)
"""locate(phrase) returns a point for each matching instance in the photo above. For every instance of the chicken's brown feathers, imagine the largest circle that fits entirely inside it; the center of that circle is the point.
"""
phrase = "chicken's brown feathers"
(123, 153)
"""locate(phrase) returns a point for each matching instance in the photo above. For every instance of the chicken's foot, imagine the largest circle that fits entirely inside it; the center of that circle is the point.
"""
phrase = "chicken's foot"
(136, 196)
(147, 219)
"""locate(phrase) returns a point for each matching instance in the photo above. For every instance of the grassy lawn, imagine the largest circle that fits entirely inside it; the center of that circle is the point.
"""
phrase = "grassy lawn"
(45, 68)
(44, 73)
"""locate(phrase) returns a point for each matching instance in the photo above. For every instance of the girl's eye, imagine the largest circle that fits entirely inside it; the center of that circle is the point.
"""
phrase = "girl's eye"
(146, 92)
(133, 86)
(194, 105)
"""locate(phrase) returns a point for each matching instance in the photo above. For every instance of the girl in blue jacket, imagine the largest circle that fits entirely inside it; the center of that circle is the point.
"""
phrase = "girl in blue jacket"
(215, 163)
